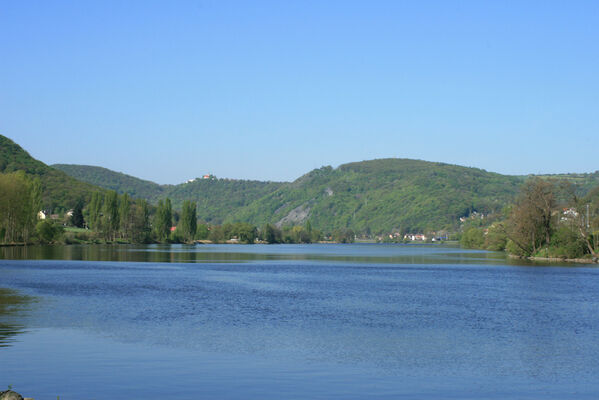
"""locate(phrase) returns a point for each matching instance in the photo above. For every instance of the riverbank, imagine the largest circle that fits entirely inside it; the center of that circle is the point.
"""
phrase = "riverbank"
(558, 259)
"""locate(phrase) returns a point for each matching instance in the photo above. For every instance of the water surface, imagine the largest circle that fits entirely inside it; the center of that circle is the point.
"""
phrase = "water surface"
(295, 322)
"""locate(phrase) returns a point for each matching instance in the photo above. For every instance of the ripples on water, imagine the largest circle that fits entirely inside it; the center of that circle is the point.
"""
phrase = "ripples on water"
(414, 321)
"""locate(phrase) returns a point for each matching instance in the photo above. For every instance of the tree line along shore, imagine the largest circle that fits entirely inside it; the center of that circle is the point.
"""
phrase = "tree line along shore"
(546, 220)
(112, 218)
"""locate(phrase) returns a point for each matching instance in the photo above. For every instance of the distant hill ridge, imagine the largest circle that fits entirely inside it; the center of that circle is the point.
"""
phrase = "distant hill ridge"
(383, 195)
(377, 195)
(216, 198)
(118, 181)
(58, 188)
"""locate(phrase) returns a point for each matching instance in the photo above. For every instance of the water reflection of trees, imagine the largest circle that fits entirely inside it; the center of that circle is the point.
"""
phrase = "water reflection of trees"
(12, 304)
(164, 253)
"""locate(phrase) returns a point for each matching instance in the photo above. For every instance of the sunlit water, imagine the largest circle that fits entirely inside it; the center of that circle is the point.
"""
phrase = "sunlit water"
(294, 322)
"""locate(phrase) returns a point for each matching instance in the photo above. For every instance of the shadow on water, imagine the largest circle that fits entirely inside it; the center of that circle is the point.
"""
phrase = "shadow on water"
(12, 305)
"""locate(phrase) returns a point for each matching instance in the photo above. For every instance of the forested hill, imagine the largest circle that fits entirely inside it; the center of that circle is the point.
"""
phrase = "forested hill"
(216, 198)
(108, 179)
(382, 195)
(59, 189)
(369, 196)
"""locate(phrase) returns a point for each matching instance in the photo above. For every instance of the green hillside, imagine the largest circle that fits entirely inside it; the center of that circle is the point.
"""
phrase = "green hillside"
(382, 195)
(108, 179)
(369, 196)
(217, 199)
(59, 189)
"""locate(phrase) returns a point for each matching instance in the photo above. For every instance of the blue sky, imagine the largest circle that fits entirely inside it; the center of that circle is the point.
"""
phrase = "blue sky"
(270, 90)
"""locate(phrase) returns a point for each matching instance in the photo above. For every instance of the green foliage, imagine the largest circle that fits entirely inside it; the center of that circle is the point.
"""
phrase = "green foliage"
(57, 188)
(245, 232)
(296, 234)
(163, 220)
(238, 232)
(95, 211)
(19, 205)
(216, 199)
(514, 249)
(124, 203)
(271, 234)
(496, 238)
(566, 243)
(77, 219)
(581, 183)
(188, 222)
(344, 235)
(368, 197)
(537, 227)
(111, 180)
(531, 221)
(139, 226)
(110, 219)
(473, 238)
(48, 232)
(217, 234)
(202, 232)
(382, 196)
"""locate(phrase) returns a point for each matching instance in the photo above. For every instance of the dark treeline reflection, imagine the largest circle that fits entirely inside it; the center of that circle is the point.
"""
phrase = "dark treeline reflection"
(12, 305)
(165, 253)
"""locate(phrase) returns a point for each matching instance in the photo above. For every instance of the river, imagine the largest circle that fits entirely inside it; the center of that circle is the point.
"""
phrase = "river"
(322, 321)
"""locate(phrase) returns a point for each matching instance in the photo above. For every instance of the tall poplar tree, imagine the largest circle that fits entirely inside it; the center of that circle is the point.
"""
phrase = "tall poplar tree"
(95, 211)
(110, 223)
(188, 222)
(124, 214)
(140, 223)
(163, 219)
(77, 217)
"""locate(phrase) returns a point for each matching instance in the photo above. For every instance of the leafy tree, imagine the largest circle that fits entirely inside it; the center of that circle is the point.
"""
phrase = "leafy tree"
(19, 205)
(217, 234)
(47, 232)
(110, 223)
(125, 215)
(496, 239)
(298, 234)
(473, 238)
(139, 228)
(163, 220)
(95, 211)
(531, 224)
(586, 221)
(566, 243)
(245, 232)
(344, 235)
(271, 234)
(202, 232)
(188, 222)
(77, 217)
